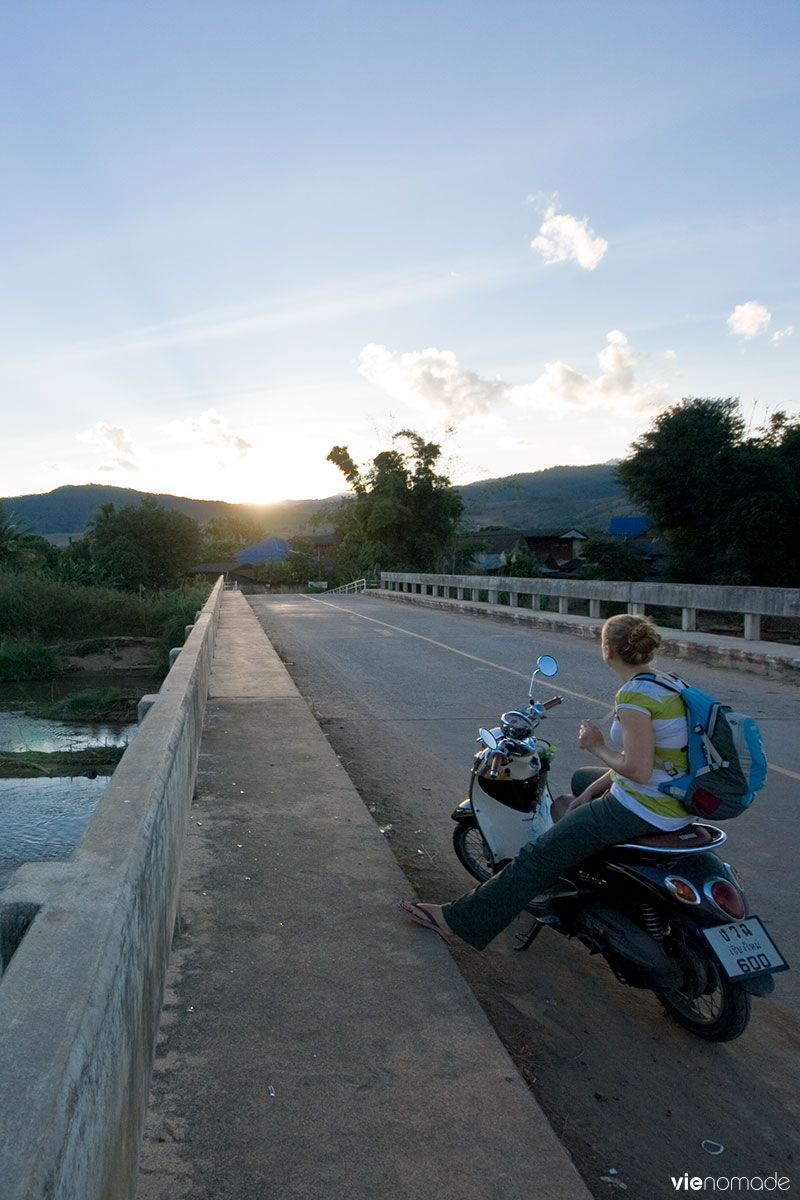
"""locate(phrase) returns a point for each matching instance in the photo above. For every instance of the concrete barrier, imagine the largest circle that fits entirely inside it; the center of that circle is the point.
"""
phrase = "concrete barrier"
(752, 603)
(84, 947)
(775, 660)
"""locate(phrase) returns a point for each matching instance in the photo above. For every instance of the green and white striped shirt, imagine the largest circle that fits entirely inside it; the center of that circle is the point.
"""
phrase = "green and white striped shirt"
(671, 734)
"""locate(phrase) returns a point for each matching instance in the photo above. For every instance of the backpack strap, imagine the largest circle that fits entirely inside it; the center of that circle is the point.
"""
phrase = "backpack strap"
(672, 683)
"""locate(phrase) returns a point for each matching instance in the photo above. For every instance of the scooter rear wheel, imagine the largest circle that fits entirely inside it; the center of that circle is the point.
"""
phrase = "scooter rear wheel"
(472, 851)
(718, 1013)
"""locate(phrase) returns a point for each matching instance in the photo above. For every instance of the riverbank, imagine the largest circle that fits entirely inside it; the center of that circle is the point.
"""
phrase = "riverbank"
(34, 764)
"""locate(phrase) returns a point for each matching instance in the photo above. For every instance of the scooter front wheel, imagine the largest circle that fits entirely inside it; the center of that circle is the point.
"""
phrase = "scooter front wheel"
(717, 1011)
(472, 851)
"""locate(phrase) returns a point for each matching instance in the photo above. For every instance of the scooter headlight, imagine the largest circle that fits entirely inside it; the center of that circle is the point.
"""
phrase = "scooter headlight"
(516, 725)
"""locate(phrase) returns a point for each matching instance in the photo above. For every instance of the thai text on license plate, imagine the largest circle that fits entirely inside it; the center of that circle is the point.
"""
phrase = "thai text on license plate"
(745, 948)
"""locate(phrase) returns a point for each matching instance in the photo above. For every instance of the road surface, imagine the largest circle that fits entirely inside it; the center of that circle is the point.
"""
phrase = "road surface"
(400, 691)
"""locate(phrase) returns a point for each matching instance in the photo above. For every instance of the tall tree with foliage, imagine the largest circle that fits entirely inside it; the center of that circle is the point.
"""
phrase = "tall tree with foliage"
(225, 535)
(727, 504)
(142, 546)
(403, 515)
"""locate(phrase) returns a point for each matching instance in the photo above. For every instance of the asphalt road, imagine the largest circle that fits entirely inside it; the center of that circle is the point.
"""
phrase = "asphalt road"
(400, 692)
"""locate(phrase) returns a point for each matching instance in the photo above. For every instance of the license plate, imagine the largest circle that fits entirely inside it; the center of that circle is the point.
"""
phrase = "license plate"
(745, 948)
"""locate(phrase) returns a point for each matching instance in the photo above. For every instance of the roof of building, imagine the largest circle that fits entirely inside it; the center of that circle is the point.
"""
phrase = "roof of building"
(627, 526)
(271, 549)
(555, 534)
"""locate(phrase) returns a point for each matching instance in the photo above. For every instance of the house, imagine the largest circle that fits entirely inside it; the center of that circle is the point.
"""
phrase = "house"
(627, 527)
(560, 545)
(552, 549)
(238, 573)
(498, 550)
(633, 532)
(270, 549)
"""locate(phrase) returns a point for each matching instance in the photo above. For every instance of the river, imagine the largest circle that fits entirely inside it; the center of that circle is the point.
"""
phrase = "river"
(42, 819)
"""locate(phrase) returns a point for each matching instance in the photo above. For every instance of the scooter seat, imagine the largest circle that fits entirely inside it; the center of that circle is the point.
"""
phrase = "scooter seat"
(691, 837)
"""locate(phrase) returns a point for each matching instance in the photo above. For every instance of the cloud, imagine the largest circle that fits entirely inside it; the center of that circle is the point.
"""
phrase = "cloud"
(319, 305)
(117, 441)
(209, 429)
(780, 334)
(748, 319)
(615, 390)
(563, 238)
(432, 379)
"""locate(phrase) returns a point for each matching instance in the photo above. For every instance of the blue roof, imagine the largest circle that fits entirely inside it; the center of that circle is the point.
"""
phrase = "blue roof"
(271, 549)
(627, 526)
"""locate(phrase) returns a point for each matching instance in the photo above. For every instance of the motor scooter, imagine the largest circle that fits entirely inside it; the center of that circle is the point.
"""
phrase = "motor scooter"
(665, 912)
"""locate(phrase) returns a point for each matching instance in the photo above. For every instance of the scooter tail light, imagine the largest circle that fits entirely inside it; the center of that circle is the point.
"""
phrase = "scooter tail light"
(683, 890)
(735, 876)
(727, 898)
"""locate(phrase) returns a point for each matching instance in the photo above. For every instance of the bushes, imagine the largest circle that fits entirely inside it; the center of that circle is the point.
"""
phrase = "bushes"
(31, 607)
(36, 614)
(27, 659)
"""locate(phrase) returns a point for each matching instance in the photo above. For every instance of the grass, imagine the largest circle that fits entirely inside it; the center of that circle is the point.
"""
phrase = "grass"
(50, 611)
(35, 763)
(109, 704)
(27, 659)
(36, 614)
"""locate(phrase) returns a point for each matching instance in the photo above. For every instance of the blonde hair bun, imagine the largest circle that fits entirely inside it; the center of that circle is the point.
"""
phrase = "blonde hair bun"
(634, 639)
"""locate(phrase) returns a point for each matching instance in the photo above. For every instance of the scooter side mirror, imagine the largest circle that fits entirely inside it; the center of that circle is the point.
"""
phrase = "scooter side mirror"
(545, 665)
(488, 739)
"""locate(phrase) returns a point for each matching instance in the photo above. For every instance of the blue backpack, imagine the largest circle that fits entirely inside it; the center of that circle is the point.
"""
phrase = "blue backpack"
(727, 764)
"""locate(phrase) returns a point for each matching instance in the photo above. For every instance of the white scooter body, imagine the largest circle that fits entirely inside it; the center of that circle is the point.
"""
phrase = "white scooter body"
(505, 830)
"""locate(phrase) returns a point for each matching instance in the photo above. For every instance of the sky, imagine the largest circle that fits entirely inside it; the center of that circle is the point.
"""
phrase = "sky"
(235, 235)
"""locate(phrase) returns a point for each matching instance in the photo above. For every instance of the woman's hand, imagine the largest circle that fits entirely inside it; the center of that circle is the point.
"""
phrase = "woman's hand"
(635, 759)
(590, 737)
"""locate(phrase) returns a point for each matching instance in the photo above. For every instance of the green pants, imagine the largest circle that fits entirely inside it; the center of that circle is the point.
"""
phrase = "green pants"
(481, 914)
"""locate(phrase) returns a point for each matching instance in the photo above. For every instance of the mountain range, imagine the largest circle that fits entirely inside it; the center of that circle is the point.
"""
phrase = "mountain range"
(559, 497)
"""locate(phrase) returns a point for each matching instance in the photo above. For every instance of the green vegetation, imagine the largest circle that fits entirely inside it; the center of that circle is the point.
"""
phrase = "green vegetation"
(136, 548)
(403, 516)
(108, 704)
(30, 763)
(609, 558)
(41, 618)
(27, 659)
(728, 504)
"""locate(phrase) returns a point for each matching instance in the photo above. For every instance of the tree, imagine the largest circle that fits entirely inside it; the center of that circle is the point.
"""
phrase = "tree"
(224, 536)
(728, 505)
(21, 550)
(403, 516)
(609, 558)
(145, 546)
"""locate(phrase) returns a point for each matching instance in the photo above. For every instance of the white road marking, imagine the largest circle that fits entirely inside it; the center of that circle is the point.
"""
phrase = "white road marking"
(485, 662)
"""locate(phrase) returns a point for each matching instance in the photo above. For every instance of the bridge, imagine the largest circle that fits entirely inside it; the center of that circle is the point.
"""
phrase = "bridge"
(403, 1051)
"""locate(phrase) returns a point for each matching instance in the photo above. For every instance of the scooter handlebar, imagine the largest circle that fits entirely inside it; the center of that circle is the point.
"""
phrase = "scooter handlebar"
(554, 702)
(495, 762)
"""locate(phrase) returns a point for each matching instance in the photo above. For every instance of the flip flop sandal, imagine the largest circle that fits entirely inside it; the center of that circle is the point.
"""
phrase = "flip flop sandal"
(414, 912)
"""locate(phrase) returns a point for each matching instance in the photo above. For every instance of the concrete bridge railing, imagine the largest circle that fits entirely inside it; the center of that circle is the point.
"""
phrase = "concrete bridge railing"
(84, 946)
(752, 603)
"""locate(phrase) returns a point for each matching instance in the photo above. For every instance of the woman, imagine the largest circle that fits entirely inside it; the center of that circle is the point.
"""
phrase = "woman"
(647, 746)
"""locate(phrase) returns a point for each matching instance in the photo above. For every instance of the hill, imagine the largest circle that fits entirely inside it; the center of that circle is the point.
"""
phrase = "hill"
(586, 497)
(559, 496)
(66, 511)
